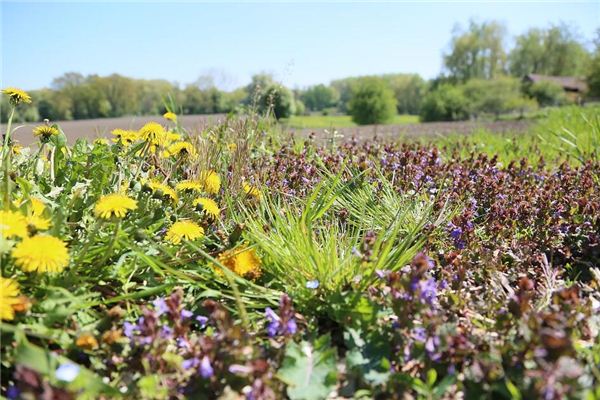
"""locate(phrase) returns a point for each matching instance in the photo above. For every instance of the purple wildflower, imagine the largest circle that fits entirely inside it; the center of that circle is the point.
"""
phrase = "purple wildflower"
(274, 322)
(160, 305)
(206, 370)
(202, 320)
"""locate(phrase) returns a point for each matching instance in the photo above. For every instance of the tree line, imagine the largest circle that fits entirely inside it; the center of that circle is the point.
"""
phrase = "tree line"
(480, 76)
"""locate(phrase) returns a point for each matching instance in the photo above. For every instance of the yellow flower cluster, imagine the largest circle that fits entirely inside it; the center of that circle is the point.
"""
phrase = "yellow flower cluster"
(243, 261)
(180, 149)
(210, 181)
(114, 206)
(17, 96)
(125, 137)
(170, 116)
(45, 132)
(184, 230)
(162, 190)
(17, 225)
(40, 253)
(252, 191)
(207, 206)
(9, 298)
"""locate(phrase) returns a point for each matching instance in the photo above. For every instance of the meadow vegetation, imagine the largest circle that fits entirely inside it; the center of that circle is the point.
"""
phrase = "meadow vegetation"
(238, 263)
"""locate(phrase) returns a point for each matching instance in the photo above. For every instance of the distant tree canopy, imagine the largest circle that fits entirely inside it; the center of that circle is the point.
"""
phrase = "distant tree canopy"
(372, 101)
(552, 51)
(319, 97)
(593, 72)
(446, 103)
(477, 52)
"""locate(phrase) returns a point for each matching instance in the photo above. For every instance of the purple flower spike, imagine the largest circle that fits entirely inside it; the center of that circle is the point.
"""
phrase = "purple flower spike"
(202, 320)
(420, 334)
(428, 291)
(190, 363)
(273, 319)
(160, 305)
(291, 326)
(128, 329)
(206, 370)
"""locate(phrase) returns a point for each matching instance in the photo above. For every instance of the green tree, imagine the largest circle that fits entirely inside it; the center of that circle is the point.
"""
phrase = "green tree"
(547, 93)
(552, 51)
(493, 96)
(409, 90)
(445, 103)
(319, 97)
(277, 99)
(372, 101)
(477, 52)
(593, 73)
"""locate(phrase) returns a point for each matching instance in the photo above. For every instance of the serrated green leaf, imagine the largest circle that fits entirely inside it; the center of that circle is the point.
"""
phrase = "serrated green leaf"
(309, 369)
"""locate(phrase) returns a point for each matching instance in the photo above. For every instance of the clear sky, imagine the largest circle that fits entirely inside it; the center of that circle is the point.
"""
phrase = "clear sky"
(300, 43)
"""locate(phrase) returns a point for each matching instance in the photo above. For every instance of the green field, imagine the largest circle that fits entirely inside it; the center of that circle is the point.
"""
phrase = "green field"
(338, 121)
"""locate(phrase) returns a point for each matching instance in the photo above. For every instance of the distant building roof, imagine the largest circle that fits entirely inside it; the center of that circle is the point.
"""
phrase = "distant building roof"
(569, 83)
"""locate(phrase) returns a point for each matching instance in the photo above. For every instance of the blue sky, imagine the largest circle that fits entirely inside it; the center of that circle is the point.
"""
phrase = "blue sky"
(300, 43)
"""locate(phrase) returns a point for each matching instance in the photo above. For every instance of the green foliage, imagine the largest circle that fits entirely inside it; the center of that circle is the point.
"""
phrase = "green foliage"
(562, 134)
(319, 97)
(372, 102)
(553, 51)
(409, 90)
(278, 100)
(593, 73)
(547, 93)
(309, 369)
(495, 96)
(309, 228)
(477, 52)
(445, 103)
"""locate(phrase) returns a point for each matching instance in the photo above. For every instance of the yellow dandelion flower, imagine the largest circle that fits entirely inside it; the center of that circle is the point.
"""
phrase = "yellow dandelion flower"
(17, 96)
(162, 190)
(188, 186)
(35, 218)
(17, 149)
(86, 341)
(243, 261)
(38, 223)
(153, 132)
(172, 137)
(252, 191)
(41, 253)
(187, 230)
(37, 206)
(45, 132)
(171, 116)
(9, 297)
(211, 182)
(115, 205)
(125, 137)
(12, 224)
(232, 147)
(208, 206)
(181, 149)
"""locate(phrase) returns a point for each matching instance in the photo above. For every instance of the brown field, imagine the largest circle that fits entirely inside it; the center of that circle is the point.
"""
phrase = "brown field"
(96, 128)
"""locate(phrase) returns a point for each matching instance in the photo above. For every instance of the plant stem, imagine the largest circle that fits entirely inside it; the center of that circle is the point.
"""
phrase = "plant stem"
(6, 152)
(112, 243)
(139, 169)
